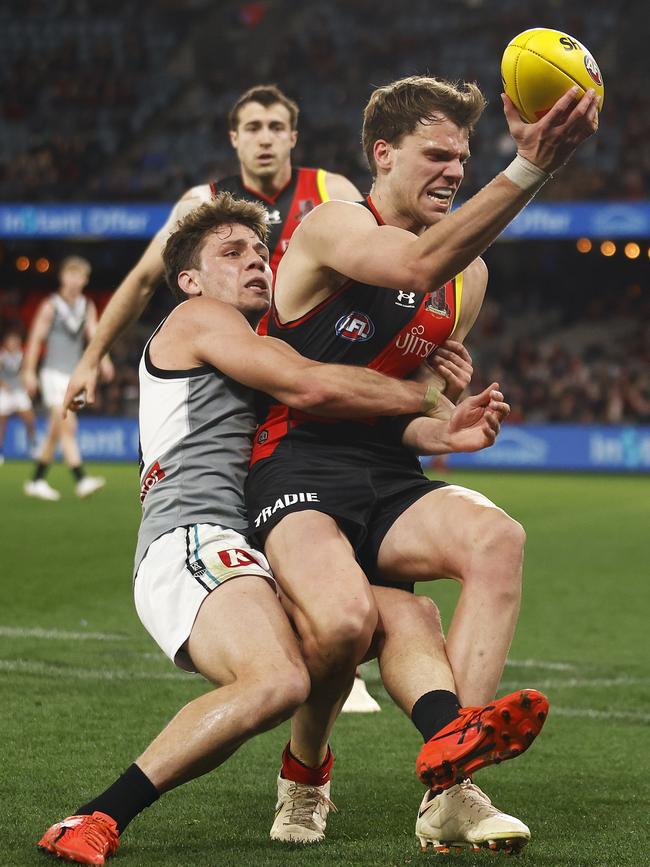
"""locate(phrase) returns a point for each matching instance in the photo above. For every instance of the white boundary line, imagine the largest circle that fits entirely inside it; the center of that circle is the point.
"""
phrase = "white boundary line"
(40, 668)
(24, 666)
(591, 713)
(57, 634)
(540, 663)
(580, 683)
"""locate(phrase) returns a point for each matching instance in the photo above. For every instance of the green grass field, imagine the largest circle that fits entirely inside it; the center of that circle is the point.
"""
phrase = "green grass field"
(83, 689)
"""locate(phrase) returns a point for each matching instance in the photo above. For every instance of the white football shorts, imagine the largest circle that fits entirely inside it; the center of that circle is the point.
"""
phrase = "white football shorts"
(14, 400)
(177, 573)
(53, 386)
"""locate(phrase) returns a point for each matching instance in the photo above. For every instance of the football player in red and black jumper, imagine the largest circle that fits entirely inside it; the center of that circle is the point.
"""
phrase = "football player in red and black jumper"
(384, 284)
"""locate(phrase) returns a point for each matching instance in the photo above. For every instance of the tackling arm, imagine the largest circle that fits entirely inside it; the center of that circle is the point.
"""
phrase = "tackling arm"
(266, 364)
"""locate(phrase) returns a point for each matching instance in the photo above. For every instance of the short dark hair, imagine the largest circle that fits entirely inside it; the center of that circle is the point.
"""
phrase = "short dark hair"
(266, 95)
(395, 110)
(183, 248)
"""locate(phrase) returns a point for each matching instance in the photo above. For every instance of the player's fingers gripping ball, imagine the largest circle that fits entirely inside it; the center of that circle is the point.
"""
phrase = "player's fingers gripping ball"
(540, 65)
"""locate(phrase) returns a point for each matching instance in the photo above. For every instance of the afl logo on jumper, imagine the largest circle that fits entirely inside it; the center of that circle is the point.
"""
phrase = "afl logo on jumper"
(354, 326)
(273, 218)
(592, 69)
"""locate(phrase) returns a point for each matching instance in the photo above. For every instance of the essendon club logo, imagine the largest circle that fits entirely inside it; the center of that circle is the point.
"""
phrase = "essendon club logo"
(592, 68)
(354, 326)
(437, 303)
(304, 208)
(154, 475)
(234, 557)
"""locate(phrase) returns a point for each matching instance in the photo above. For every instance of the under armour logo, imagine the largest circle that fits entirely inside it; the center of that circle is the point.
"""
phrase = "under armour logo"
(405, 299)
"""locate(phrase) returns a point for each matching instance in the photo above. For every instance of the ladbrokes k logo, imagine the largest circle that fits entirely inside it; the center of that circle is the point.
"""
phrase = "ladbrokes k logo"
(155, 474)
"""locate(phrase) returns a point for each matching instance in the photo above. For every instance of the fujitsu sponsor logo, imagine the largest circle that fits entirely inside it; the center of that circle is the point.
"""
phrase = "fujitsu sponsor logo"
(413, 343)
(154, 475)
(282, 502)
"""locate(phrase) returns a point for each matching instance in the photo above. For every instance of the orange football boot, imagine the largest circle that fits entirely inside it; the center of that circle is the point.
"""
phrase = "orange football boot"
(84, 839)
(481, 736)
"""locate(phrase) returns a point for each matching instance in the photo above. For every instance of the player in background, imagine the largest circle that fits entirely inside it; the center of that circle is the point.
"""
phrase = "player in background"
(383, 284)
(62, 324)
(14, 400)
(206, 597)
(263, 126)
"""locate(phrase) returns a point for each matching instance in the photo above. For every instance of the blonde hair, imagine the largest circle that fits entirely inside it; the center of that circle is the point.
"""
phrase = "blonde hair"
(77, 262)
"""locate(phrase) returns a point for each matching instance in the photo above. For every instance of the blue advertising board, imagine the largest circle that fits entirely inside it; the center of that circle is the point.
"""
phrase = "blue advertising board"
(594, 448)
(100, 439)
(81, 221)
(550, 220)
(608, 448)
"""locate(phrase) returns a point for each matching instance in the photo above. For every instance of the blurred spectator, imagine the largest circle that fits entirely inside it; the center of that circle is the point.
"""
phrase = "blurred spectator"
(100, 106)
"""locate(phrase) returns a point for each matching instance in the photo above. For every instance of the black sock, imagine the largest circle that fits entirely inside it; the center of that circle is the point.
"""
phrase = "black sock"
(433, 710)
(40, 471)
(78, 472)
(129, 795)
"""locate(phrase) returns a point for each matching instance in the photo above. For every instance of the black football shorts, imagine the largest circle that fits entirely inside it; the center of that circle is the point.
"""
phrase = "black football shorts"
(365, 487)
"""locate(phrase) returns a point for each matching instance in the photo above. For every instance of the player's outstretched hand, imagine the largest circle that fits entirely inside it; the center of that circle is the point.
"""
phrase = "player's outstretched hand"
(453, 363)
(476, 422)
(551, 141)
(81, 388)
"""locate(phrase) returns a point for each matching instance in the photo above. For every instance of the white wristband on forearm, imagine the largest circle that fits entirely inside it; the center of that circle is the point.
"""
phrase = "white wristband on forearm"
(526, 175)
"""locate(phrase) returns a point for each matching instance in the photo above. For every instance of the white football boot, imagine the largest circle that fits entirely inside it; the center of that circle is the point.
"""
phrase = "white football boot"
(301, 812)
(463, 817)
(41, 490)
(360, 700)
(88, 485)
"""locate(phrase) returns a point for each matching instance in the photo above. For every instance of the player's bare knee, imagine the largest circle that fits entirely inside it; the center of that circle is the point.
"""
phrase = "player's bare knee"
(291, 689)
(341, 636)
(428, 611)
(498, 535)
(276, 695)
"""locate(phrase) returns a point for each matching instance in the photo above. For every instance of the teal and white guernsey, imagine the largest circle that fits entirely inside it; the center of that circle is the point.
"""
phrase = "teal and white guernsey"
(196, 428)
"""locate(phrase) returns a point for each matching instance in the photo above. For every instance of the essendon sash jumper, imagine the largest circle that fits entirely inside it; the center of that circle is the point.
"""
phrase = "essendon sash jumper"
(305, 190)
(391, 331)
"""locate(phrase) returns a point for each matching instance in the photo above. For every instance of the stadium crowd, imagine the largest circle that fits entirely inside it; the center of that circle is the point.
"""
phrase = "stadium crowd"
(98, 106)
(132, 107)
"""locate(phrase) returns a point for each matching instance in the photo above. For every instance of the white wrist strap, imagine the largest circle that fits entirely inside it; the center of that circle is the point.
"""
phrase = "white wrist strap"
(526, 175)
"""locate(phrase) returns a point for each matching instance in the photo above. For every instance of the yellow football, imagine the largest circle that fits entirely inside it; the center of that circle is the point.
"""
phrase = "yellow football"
(540, 65)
